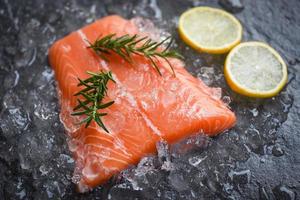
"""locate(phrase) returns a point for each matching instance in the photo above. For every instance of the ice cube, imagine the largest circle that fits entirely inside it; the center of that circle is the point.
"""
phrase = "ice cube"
(164, 155)
(197, 142)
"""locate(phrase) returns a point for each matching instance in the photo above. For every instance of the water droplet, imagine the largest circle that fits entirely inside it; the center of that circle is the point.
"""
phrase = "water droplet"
(226, 100)
(240, 177)
(254, 112)
(195, 161)
(43, 170)
(283, 192)
(277, 151)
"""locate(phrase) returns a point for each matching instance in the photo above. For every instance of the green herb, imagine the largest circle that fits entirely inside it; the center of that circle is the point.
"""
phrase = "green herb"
(127, 45)
(93, 93)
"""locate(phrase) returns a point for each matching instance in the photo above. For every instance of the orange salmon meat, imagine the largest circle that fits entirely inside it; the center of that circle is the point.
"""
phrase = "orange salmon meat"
(148, 107)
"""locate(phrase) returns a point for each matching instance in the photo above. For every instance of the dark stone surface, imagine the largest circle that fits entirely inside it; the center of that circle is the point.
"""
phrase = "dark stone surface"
(234, 6)
(258, 159)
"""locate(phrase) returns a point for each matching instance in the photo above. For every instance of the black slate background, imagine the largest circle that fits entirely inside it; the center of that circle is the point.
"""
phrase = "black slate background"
(258, 159)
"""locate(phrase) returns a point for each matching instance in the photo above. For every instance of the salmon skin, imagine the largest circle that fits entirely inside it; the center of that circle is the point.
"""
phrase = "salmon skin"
(148, 107)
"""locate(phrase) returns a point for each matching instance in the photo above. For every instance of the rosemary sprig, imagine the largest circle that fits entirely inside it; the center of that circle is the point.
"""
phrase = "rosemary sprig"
(127, 45)
(95, 87)
(93, 93)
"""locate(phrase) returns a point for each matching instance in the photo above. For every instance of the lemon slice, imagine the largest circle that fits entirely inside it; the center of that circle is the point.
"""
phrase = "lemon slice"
(210, 30)
(255, 69)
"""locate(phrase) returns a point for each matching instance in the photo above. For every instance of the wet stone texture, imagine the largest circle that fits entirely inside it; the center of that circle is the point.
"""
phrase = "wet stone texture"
(258, 159)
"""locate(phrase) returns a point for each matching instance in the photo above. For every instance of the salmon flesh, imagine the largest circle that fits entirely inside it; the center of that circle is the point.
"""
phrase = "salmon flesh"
(148, 107)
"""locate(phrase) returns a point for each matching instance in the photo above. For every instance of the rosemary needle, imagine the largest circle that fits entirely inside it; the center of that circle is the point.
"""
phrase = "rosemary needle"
(127, 45)
(93, 92)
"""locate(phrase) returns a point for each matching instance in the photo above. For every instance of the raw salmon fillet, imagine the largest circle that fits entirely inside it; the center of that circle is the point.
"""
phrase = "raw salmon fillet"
(148, 107)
